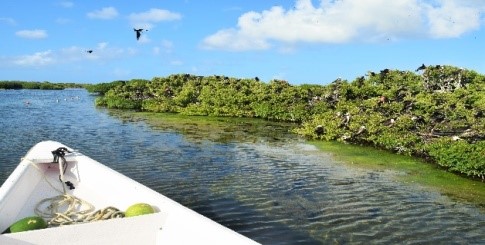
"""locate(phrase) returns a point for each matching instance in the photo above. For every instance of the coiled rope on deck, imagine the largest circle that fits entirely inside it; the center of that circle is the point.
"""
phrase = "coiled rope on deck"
(66, 209)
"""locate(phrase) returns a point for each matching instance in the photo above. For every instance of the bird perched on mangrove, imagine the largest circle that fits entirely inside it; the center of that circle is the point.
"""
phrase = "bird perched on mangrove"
(361, 130)
(389, 122)
(138, 33)
(422, 67)
(345, 121)
(319, 130)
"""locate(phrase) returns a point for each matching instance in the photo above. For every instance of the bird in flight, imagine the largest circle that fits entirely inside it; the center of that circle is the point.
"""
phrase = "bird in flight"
(138, 33)
(89, 51)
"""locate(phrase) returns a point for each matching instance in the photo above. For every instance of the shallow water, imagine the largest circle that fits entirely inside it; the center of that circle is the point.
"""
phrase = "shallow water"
(264, 183)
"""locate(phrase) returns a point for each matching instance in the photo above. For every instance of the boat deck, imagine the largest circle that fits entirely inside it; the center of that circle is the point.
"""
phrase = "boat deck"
(36, 179)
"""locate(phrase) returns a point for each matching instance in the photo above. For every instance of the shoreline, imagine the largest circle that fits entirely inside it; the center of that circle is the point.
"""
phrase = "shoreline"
(414, 171)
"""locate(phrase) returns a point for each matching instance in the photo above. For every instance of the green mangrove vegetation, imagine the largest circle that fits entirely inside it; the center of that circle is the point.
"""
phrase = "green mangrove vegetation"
(102, 88)
(37, 85)
(436, 114)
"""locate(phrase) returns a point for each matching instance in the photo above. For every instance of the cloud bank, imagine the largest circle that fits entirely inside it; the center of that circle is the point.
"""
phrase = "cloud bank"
(342, 21)
(32, 34)
(36, 59)
(101, 53)
(147, 19)
(66, 4)
(104, 13)
(9, 21)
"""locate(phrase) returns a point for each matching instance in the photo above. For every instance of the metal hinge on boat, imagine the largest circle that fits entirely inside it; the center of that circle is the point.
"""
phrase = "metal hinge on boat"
(59, 153)
(59, 158)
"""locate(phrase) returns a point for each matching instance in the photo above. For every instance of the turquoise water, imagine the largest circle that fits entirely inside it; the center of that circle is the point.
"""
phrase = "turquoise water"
(264, 183)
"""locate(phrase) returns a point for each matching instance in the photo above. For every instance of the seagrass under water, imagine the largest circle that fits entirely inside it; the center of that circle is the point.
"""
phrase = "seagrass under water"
(275, 190)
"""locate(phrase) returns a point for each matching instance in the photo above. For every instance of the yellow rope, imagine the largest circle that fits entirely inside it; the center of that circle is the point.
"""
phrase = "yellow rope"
(41, 172)
(67, 209)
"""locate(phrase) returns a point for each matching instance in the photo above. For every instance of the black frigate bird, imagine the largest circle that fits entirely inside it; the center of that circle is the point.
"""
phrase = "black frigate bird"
(138, 33)
(422, 67)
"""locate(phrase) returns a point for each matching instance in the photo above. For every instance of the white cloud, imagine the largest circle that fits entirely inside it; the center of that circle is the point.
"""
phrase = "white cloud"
(36, 59)
(147, 19)
(102, 45)
(233, 39)
(165, 46)
(104, 13)
(348, 21)
(101, 52)
(9, 21)
(66, 4)
(452, 19)
(75, 53)
(32, 34)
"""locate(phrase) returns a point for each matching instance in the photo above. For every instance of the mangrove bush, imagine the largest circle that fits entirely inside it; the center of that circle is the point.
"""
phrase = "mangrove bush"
(437, 114)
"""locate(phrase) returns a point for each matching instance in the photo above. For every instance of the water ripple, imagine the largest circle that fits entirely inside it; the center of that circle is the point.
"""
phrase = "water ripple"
(282, 192)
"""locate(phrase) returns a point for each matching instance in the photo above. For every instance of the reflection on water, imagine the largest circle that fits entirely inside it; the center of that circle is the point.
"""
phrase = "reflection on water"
(254, 178)
(216, 129)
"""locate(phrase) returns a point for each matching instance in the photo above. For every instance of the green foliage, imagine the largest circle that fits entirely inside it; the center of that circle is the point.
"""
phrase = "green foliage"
(439, 115)
(459, 156)
(37, 85)
(10, 85)
(212, 96)
(126, 95)
(102, 88)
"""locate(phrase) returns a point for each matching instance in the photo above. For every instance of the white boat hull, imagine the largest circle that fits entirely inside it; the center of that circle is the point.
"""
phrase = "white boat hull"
(36, 179)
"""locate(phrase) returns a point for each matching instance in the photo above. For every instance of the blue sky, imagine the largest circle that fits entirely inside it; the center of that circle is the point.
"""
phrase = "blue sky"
(300, 41)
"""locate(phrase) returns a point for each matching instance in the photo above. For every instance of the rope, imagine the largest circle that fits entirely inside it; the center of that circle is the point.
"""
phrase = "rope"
(44, 176)
(66, 209)
(62, 207)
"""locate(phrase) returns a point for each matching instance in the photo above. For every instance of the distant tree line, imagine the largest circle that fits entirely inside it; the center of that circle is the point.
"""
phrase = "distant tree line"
(102, 88)
(37, 85)
(436, 113)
